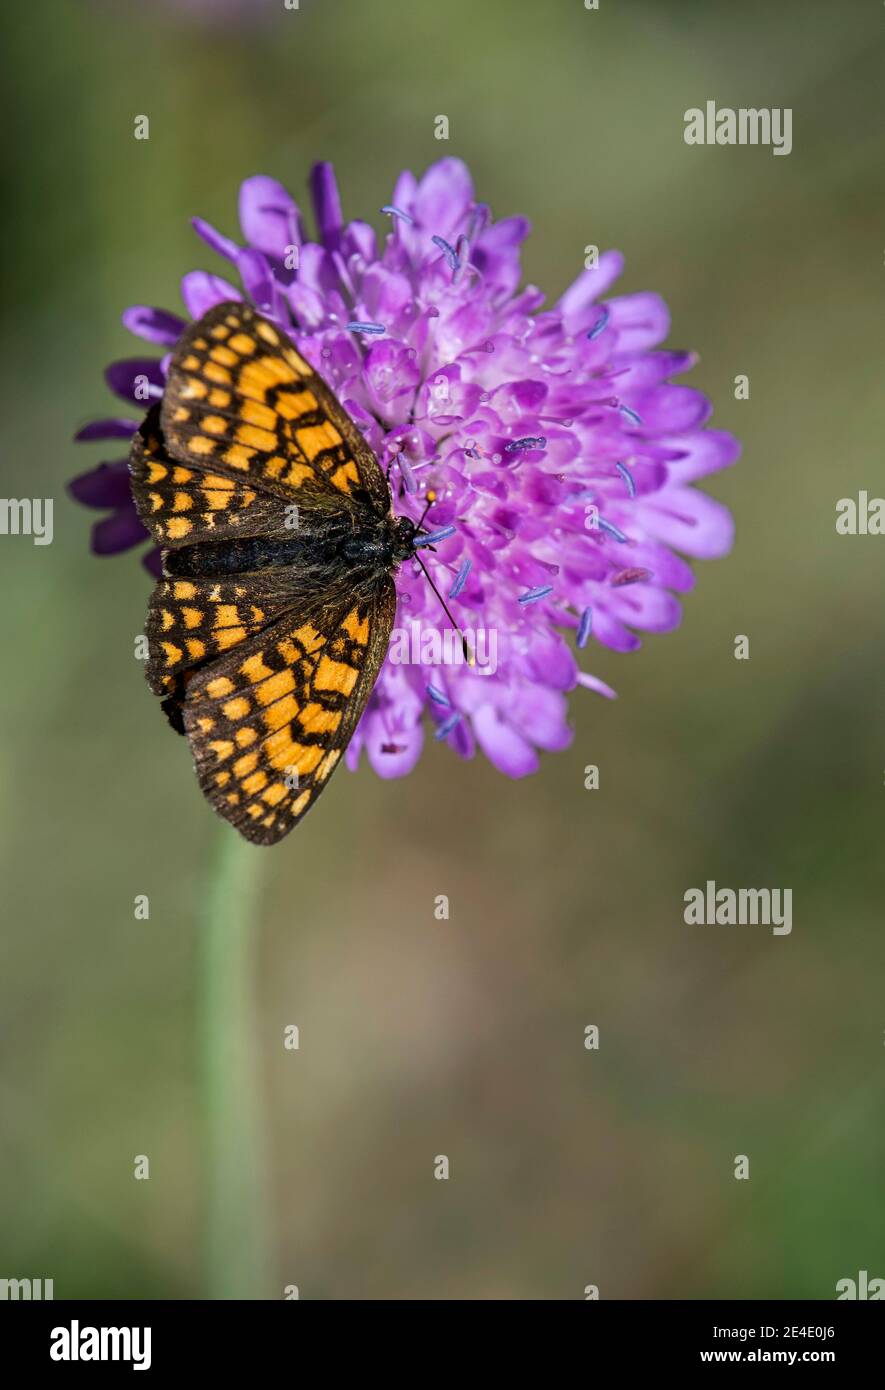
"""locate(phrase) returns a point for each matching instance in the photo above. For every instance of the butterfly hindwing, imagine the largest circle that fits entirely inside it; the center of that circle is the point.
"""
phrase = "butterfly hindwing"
(242, 402)
(194, 620)
(269, 722)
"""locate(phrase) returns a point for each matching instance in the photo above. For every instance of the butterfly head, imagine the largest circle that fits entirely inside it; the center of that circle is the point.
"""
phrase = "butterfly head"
(402, 538)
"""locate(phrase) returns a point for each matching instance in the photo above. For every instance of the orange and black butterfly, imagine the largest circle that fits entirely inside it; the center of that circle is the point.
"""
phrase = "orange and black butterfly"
(271, 621)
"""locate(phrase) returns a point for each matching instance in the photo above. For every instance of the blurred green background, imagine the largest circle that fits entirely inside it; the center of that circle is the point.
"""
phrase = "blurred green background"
(569, 1167)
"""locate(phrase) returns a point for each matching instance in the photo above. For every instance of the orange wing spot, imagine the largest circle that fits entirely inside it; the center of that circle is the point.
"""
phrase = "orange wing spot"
(227, 615)
(299, 757)
(205, 726)
(291, 404)
(217, 501)
(314, 719)
(218, 482)
(257, 614)
(280, 750)
(224, 356)
(297, 362)
(182, 502)
(280, 713)
(275, 687)
(200, 343)
(156, 501)
(221, 330)
(288, 651)
(215, 424)
(246, 764)
(220, 375)
(156, 471)
(200, 445)
(269, 821)
(182, 475)
(220, 399)
(182, 588)
(254, 811)
(194, 389)
(196, 648)
(243, 344)
(298, 473)
(317, 437)
(257, 376)
(181, 414)
(222, 778)
(219, 687)
(166, 619)
(344, 476)
(328, 764)
(254, 669)
(237, 708)
(178, 527)
(232, 799)
(244, 737)
(255, 438)
(355, 629)
(173, 654)
(254, 783)
(254, 413)
(308, 638)
(192, 616)
(302, 803)
(275, 793)
(238, 457)
(190, 363)
(222, 748)
(269, 334)
(335, 675)
(229, 637)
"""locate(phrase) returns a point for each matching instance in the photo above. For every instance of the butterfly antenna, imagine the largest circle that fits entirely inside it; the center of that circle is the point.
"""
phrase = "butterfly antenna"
(468, 654)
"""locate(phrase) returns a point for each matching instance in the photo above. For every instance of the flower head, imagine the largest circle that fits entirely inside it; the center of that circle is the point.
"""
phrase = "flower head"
(555, 455)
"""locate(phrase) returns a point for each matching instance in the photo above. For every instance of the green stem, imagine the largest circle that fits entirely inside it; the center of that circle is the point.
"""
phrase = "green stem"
(237, 1246)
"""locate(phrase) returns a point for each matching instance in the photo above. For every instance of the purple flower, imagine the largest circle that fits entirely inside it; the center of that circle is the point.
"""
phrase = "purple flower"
(551, 440)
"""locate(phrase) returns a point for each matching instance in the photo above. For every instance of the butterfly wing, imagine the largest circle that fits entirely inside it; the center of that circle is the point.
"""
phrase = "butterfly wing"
(240, 401)
(268, 722)
(180, 505)
(194, 620)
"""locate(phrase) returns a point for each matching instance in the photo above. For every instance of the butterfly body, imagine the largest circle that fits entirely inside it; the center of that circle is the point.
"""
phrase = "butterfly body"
(270, 624)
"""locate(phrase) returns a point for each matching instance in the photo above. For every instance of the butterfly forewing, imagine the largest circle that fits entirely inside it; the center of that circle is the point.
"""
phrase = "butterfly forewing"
(181, 505)
(241, 400)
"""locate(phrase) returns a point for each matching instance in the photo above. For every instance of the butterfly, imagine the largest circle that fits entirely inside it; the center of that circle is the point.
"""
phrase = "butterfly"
(271, 621)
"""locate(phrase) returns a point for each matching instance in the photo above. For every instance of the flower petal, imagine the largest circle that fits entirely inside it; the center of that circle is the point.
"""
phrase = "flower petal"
(107, 429)
(154, 325)
(202, 291)
(501, 743)
(326, 203)
(106, 486)
(119, 531)
(269, 216)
